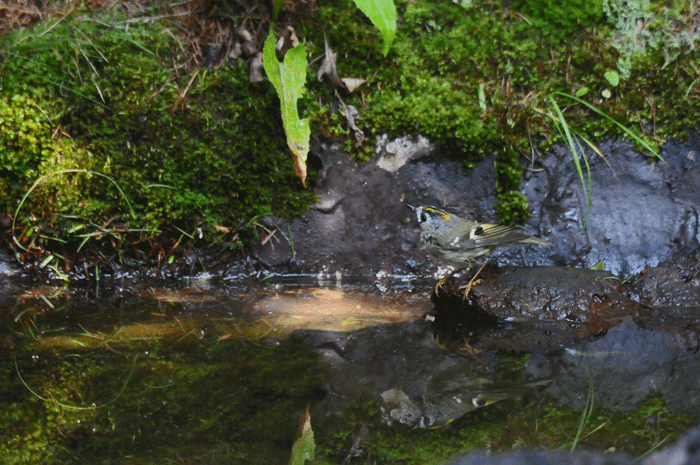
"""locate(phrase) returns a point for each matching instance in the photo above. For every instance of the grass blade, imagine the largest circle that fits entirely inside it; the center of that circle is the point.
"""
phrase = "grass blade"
(627, 131)
(576, 152)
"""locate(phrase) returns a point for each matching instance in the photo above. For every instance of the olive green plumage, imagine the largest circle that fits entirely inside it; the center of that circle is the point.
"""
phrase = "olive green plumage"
(459, 242)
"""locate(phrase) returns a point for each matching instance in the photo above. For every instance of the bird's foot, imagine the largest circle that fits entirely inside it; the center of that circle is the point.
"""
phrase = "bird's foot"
(439, 285)
(473, 282)
(468, 288)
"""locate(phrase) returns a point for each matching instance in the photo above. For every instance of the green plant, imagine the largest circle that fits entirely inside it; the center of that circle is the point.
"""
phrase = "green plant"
(25, 130)
(639, 25)
(289, 77)
(588, 409)
(561, 19)
(576, 152)
(382, 13)
(114, 123)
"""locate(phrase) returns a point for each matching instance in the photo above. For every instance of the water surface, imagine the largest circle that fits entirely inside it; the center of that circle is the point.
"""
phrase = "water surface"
(202, 373)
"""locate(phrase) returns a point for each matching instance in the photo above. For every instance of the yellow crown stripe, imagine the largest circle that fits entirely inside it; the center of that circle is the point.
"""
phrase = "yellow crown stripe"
(444, 215)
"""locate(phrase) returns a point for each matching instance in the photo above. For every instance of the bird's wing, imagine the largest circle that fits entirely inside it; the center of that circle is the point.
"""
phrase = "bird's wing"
(489, 235)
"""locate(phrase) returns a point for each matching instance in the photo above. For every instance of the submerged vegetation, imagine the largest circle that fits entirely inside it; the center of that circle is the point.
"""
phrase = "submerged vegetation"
(136, 127)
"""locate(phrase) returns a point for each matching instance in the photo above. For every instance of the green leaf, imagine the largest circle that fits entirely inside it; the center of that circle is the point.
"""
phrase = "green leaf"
(382, 13)
(582, 91)
(304, 447)
(276, 7)
(612, 77)
(289, 77)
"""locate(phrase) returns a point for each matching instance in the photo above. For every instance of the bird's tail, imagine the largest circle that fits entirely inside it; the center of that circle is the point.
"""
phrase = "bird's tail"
(537, 241)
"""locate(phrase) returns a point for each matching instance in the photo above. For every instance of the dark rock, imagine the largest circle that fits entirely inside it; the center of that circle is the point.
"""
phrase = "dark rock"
(213, 53)
(641, 213)
(530, 457)
(576, 295)
(7, 267)
(684, 452)
(248, 48)
(673, 283)
(359, 226)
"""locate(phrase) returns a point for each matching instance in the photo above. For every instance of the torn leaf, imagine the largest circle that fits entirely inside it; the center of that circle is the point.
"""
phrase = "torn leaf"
(289, 79)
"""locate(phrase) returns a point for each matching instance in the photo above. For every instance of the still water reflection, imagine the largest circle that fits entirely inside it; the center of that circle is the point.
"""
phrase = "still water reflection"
(194, 374)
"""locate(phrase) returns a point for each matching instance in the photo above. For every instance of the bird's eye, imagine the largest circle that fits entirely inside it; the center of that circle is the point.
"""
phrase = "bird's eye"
(479, 230)
(423, 218)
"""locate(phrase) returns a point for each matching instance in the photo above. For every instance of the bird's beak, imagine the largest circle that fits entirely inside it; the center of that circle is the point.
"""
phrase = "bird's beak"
(411, 207)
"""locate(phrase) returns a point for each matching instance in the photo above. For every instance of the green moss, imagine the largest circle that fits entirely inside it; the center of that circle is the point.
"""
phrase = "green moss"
(444, 53)
(187, 151)
(25, 130)
(512, 205)
(561, 20)
(201, 149)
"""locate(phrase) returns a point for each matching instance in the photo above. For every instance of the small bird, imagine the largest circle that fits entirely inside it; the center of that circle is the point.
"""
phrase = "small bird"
(459, 242)
(465, 387)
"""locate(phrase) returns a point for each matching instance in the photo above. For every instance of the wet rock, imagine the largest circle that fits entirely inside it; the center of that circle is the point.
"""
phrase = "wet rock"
(576, 295)
(684, 452)
(641, 213)
(675, 282)
(590, 301)
(552, 305)
(7, 266)
(358, 227)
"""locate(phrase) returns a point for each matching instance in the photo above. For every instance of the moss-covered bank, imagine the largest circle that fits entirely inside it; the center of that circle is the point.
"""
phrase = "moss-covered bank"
(187, 152)
(197, 153)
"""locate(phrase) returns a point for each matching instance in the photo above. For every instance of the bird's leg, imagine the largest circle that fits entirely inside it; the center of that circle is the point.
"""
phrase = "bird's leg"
(473, 352)
(473, 282)
(441, 283)
(444, 280)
